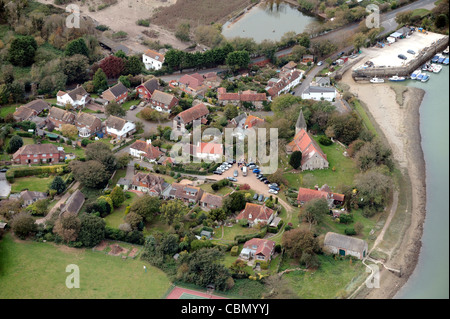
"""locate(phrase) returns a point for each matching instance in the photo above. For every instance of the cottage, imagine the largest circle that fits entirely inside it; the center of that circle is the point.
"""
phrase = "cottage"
(198, 112)
(206, 234)
(192, 84)
(77, 98)
(37, 153)
(30, 110)
(117, 93)
(307, 58)
(87, 124)
(163, 102)
(306, 194)
(119, 128)
(256, 214)
(258, 249)
(149, 184)
(59, 117)
(256, 99)
(153, 60)
(146, 89)
(145, 149)
(319, 93)
(210, 201)
(74, 203)
(30, 197)
(287, 80)
(345, 245)
(186, 193)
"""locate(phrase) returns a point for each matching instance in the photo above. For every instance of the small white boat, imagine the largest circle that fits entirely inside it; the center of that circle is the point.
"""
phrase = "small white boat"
(420, 76)
(446, 51)
(425, 77)
(436, 68)
(376, 80)
(397, 78)
(415, 74)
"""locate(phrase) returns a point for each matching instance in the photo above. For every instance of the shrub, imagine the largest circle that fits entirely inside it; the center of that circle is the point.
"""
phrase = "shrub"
(234, 250)
(324, 140)
(350, 231)
(143, 22)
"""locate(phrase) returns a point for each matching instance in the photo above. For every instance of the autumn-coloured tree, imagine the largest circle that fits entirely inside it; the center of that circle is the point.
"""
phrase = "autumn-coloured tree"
(112, 66)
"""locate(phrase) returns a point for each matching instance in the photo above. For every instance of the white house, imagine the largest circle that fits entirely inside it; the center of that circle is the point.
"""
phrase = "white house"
(319, 93)
(153, 60)
(78, 97)
(119, 128)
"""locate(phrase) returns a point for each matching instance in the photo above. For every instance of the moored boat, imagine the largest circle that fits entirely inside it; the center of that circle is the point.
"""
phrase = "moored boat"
(441, 59)
(435, 59)
(445, 61)
(420, 77)
(436, 68)
(376, 80)
(415, 74)
(397, 78)
(425, 77)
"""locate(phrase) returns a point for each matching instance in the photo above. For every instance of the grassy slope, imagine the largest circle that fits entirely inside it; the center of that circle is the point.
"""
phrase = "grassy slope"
(118, 215)
(26, 273)
(31, 183)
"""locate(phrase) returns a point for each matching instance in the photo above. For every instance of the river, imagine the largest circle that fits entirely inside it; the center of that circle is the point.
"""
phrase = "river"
(431, 276)
(268, 20)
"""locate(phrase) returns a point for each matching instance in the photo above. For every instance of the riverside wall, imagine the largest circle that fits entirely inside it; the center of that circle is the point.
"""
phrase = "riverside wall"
(382, 72)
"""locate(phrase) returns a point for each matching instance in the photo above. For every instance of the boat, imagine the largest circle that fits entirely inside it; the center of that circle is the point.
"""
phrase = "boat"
(397, 78)
(415, 74)
(435, 59)
(425, 78)
(376, 80)
(441, 59)
(420, 77)
(426, 67)
(436, 68)
(445, 61)
(445, 51)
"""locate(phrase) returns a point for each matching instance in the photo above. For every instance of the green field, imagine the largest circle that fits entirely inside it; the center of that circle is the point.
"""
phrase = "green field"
(128, 104)
(5, 110)
(420, 12)
(31, 183)
(38, 270)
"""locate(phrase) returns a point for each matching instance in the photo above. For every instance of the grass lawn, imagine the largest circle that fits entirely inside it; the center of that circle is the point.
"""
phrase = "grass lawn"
(117, 216)
(5, 110)
(328, 281)
(230, 232)
(31, 183)
(156, 226)
(118, 175)
(221, 192)
(345, 170)
(25, 273)
(128, 104)
(420, 12)
(79, 152)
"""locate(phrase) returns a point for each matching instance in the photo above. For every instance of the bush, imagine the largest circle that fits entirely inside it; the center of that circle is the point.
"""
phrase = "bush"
(350, 231)
(239, 239)
(346, 218)
(143, 22)
(324, 140)
(234, 250)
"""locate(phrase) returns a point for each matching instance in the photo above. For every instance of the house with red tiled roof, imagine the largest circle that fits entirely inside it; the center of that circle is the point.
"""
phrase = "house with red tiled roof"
(251, 121)
(256, 214)
(287, 79)
(148, 183)
(163, 102)
(37, 153)
(239, 98)
(198, 112)
(192, 84)
(153, 60)
(258, 249)
(307, 194)
(312, 155)
(145, 149)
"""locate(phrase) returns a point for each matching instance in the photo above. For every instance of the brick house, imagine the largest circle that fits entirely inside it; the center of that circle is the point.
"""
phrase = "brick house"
(198, 112)
(239, 98)
(192, 84)
(117, 93)
(148, 183)
(87, 124)
(146, 89)
(30, 110)
(306, 194)
(35, 153)
(60, 117)
(258, 249)
(163, 102)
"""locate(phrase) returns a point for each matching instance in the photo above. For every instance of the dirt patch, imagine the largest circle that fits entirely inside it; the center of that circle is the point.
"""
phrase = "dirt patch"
(133, 252)
(117, 250)
(402, 131)
(101, 247)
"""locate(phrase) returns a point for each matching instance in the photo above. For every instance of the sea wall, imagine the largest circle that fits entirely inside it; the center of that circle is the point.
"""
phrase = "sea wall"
(381, 72)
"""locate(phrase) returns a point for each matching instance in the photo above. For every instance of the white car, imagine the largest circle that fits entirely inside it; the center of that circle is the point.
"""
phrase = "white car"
(319, 63)
(272, 191)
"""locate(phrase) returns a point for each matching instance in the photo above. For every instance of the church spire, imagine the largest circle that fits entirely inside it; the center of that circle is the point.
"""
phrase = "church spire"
(301, 123)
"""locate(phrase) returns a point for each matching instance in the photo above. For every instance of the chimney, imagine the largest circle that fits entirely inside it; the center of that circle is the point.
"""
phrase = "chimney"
(316, 187)
(149, 141)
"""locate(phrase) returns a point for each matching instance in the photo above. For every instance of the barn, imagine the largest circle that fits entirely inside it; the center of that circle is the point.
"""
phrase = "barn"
(345, 245)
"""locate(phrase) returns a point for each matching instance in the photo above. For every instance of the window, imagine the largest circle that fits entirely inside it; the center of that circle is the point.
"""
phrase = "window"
(35, 161)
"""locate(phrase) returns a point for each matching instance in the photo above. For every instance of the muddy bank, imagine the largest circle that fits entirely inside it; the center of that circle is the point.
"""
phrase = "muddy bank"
(400, 125)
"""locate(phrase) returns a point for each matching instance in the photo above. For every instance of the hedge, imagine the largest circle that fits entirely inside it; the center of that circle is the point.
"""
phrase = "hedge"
(32, 171)
(234, 250)
(180, 169)
(132, 237)
(239, 239)
(25, 134)
(225, 247)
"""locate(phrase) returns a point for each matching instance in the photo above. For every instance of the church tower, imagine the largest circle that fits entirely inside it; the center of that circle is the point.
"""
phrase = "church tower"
(301, 123)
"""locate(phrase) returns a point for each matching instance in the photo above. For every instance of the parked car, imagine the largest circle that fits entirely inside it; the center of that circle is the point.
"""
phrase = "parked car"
(232, 179)
(133, 107)
(401, 56)
(274, 184)
(293, 92)
(274, 187)
(252, 166)
(255, 197)
(319, 63)
(263, 179)
(260, 198)
(266, 181)
(217, 172)
(256, 171)
(259, 175)
(236, 173)
(411, 51)
(272, 191)
(341, 54)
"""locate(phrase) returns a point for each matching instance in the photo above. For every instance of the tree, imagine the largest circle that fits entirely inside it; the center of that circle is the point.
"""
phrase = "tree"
(404, 17)
(283, 102)
(75, 67)
(373, 189)
(77, 46)
(123, 160)
(238, 60)
(359, 227)
(373, 154)
(22, 51)
(112, 66)
(182, 32)
(359, 40)
(92, 230)
(39, 208)
(69, 130)
(133, 65)
(101, 152)
(298, 51)
(134, 220)
(115, 109)
(346, 127)
(100, 81)
(217, 214)
(278, 288)
(234, 202)
(298, 241)
(22, 225)
(15, 143)
(146, 206)
(172, 211)
(125, 80)
(117, 196)
(296, 159)
(67, 226)
(315, 210)
(230, 111)
(58, 185)
(91, 174)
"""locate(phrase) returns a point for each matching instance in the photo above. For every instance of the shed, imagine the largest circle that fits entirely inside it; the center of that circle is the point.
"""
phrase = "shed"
(345, 245)
(3, 225)
(206, 233)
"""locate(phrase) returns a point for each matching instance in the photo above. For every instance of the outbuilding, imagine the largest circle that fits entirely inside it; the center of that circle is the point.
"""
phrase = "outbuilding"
(343, 245)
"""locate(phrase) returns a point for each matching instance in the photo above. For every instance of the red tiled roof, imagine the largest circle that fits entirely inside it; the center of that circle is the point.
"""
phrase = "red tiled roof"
(210, 148)
(194, 81)
(252, 121)
(304, 143)
(306, 194)
(246, 96)
(151, 151)
(264, 246)
(255, 211)
(154, 55)
(194, 113)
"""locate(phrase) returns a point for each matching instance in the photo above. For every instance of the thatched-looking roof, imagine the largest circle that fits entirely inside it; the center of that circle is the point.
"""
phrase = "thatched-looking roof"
(344, 242)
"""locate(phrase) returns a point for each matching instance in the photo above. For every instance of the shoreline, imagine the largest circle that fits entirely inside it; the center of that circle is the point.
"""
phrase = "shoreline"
(402, 131)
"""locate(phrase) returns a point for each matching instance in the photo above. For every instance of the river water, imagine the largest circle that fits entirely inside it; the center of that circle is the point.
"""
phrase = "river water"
(268, 20)
(431, 276)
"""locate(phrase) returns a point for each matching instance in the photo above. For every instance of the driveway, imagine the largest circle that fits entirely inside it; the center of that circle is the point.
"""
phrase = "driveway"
(5, 187)
(148, 126)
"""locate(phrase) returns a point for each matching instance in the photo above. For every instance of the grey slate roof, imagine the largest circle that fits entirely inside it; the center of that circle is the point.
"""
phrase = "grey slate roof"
(118, 89)
(343, 241)
(319, 89)
(74, 203)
